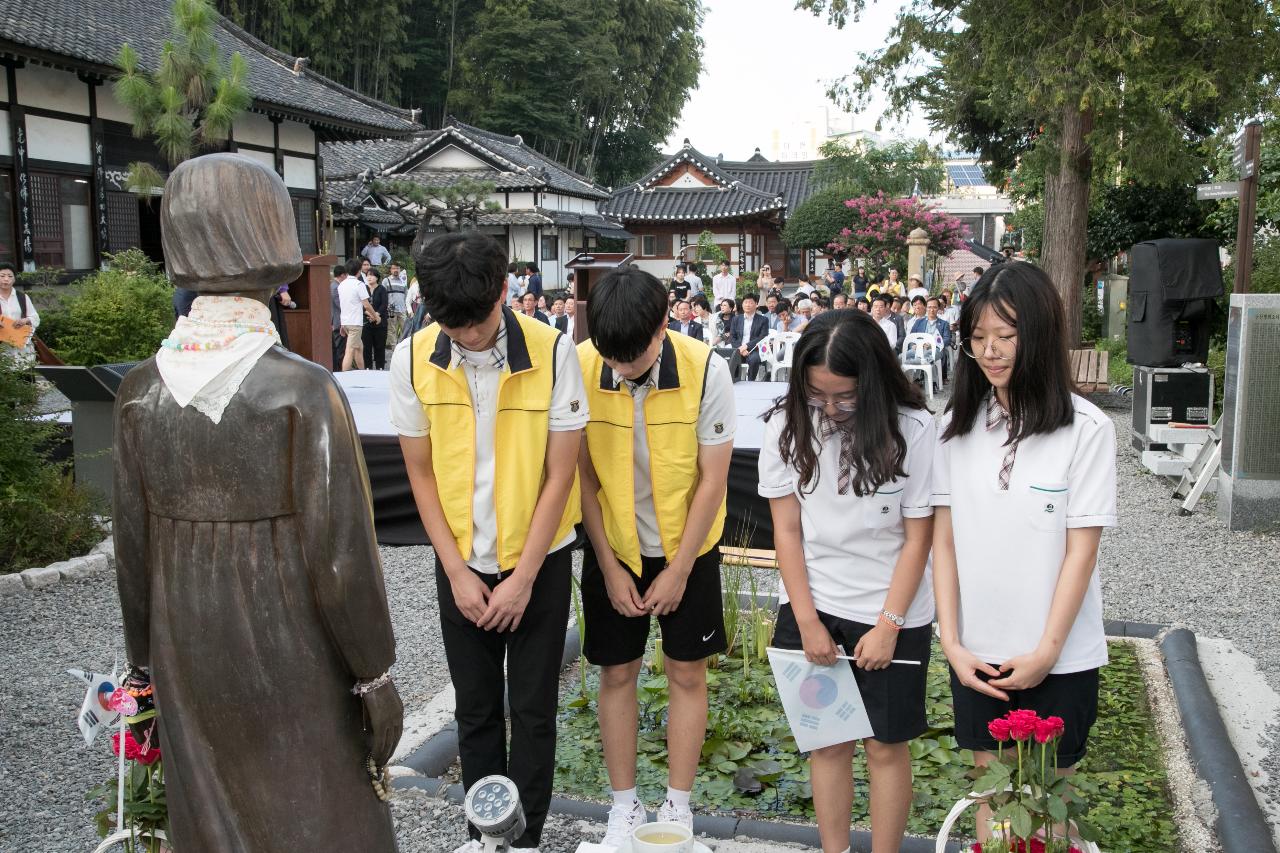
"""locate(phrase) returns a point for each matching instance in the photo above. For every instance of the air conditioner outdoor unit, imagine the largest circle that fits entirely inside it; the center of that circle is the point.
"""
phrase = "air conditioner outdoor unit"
(1249, 483)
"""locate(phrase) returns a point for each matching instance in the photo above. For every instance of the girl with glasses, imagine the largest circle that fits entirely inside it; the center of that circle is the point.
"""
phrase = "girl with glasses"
(845, 466)
(1024, 480)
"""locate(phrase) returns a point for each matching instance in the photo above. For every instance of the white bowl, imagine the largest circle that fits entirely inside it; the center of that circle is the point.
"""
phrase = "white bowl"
(640, 836)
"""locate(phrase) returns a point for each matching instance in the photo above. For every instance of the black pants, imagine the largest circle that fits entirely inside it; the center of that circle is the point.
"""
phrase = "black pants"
(532, 653)
(753, 364)
(339, 347)
(374, 338)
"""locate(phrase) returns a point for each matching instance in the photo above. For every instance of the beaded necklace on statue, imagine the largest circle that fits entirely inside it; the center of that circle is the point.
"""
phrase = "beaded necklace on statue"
(211, 350)
(216, 322)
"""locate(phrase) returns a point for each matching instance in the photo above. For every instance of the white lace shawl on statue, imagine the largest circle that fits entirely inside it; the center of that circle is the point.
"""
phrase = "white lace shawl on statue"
(209, 352)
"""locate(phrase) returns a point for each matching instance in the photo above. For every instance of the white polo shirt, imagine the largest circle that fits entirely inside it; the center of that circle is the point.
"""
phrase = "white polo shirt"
(1010, 544)
(717, 421)
(851, 543)
(568, 412)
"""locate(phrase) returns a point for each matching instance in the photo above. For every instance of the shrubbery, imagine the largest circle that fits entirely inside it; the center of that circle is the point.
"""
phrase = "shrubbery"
(44, 516)
(117, 314)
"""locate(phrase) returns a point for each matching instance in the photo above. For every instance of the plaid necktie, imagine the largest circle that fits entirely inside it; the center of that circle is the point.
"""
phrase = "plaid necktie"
(997, 415)
(830, 428)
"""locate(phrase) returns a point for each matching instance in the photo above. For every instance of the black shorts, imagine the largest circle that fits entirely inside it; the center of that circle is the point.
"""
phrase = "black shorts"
(894, 696)
(693, 631)
(1073, 696)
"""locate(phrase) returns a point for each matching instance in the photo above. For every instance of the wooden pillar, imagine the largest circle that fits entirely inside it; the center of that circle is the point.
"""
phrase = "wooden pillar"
(742, 249)
(101, 233)
(22, 180)
(279, 156)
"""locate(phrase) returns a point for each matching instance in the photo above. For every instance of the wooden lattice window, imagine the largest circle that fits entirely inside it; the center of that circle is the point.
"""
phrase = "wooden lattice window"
(304, 214)
(122, 222)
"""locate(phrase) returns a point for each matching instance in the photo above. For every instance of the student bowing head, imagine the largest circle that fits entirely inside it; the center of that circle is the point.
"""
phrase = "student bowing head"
(1013, 336)
(845, 376)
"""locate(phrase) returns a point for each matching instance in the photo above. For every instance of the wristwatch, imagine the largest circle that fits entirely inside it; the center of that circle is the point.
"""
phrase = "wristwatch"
(894, 619)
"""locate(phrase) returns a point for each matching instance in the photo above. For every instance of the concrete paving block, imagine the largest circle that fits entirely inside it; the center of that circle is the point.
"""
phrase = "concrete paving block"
(11, 584)
(84, 567)
(40, 578)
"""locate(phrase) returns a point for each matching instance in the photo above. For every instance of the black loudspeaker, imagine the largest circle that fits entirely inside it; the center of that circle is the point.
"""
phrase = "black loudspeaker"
(1172, 287)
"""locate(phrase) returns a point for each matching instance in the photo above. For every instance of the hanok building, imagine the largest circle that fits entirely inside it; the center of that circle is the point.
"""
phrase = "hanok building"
(743, 204)
(66, 142)
(546, 212)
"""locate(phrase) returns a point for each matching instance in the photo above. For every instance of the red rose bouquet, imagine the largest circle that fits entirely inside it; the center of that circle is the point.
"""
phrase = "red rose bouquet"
(1033, 808)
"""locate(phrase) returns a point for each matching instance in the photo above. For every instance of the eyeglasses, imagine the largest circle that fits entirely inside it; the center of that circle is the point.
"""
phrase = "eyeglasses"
(1001, 348)
(844, 406)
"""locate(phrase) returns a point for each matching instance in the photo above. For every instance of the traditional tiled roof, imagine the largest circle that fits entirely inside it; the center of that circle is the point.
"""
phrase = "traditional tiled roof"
(345, 160)
(86, 36)
(789, 180)
(742, 189)
(512, 148)
(512, 164)
(602, 225)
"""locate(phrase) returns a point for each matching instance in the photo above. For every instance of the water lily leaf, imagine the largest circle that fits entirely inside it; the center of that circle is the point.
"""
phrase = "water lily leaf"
(746, 782)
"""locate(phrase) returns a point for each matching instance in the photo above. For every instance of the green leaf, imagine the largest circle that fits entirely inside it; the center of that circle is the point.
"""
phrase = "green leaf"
(1020, 821)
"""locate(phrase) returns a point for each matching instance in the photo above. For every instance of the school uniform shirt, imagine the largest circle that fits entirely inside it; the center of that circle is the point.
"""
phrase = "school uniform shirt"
(717, 411)
(851, 563)
(695, 282)
(1010, 544)
(483, 369)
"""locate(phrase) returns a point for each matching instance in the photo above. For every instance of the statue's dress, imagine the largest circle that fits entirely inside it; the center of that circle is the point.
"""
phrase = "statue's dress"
(251, 585)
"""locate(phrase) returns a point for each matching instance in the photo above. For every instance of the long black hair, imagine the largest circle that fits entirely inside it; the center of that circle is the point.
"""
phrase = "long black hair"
(1040, 383)
(848, 343)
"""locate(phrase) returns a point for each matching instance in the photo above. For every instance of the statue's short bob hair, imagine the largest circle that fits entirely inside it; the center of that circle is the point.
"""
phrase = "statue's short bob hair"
(227, 225)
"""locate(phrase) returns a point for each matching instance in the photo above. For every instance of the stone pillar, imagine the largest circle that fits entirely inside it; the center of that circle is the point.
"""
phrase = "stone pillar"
(917, 248)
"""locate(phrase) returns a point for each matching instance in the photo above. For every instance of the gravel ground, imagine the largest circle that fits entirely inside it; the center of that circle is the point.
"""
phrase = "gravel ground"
(45, 767)
(1191, 572)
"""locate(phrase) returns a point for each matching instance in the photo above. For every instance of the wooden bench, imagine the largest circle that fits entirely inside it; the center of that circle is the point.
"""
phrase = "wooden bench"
(756, 558)
(1089, 370)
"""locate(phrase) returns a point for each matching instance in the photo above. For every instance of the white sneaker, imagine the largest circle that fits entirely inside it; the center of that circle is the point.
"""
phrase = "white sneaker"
(669, 812)
(623, 820)
(471, 846)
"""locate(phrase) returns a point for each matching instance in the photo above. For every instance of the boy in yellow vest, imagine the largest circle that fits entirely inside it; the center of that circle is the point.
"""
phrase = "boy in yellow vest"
(654, 475)
(483, 390)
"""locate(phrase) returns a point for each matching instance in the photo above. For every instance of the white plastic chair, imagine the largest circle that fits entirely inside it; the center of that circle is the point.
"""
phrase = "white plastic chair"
(919, 355)
(782, 347)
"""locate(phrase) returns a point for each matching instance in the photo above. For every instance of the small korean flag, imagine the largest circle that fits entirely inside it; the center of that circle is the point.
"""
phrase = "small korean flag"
(95, 711)
(823, 704)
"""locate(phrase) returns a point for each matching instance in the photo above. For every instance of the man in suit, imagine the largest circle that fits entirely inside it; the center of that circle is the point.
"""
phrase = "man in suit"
(684, 322)
(562, 311)
(746, 331)
(529, 303)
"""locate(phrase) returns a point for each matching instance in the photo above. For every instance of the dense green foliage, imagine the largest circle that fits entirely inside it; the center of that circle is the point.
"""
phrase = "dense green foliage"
(817, 221)
(597, 84)
(116, 314)
(1120, 216)
(44, 516)
(191, 101)
(750, 764)
(897, 168)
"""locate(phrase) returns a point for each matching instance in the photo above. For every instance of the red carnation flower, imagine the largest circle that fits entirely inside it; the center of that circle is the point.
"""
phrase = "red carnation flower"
(134, 751)
(999, 729)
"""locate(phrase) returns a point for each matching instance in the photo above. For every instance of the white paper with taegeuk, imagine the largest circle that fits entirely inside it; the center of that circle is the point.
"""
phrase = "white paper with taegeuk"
(823, 704)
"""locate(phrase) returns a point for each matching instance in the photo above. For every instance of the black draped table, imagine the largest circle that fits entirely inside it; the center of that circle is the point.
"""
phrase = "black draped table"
(396, 516)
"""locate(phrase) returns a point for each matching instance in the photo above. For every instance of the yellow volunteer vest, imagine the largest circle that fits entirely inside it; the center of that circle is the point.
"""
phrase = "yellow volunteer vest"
(520, 433)
(671, 419)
